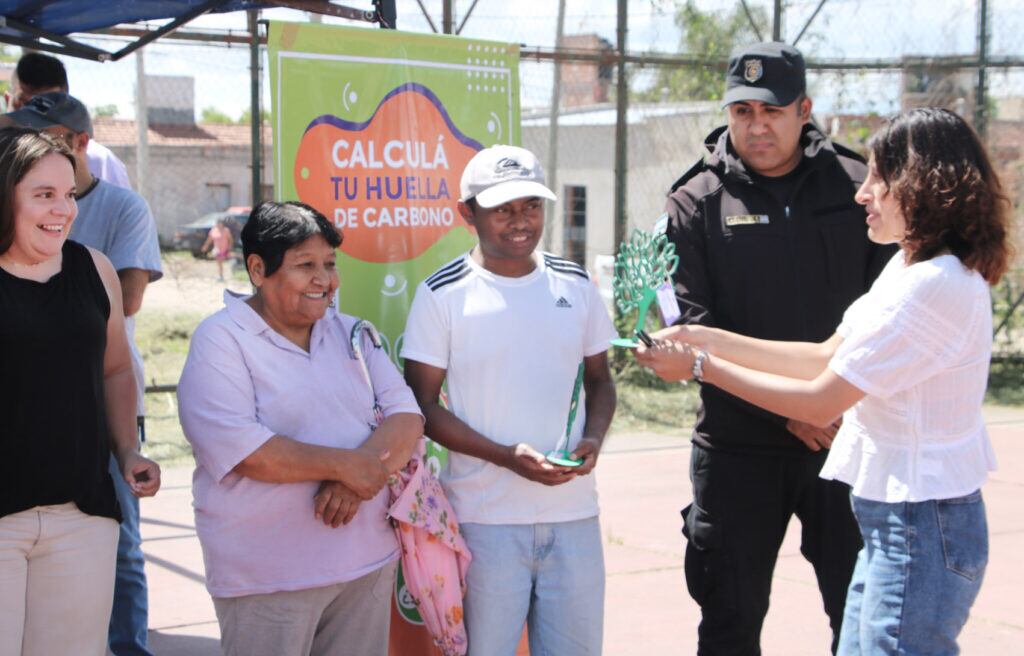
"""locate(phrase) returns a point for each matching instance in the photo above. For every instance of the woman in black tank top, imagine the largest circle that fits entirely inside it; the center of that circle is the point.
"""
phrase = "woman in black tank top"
(67, 400)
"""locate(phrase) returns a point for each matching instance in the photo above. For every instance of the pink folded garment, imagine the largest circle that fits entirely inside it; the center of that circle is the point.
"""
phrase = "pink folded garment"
(434, 555)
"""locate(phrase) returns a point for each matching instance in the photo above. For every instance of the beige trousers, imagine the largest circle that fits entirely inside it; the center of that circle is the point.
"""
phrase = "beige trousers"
(345, 619)
(56, 581)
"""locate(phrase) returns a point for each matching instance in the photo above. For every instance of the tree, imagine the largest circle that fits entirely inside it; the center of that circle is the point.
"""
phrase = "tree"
(246, 116)
(7, 56)
(709, 36)
(214, 115)
(109, 111)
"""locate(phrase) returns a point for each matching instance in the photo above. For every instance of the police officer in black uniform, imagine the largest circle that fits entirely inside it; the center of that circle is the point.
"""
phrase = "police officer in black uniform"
(771, 244)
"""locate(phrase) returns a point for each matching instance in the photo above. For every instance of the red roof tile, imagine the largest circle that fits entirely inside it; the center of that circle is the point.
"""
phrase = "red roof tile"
(122, 132)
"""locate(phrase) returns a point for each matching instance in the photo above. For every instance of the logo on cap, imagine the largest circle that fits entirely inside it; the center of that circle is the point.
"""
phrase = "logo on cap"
(753, 70)
(42, 104)
(508, 167)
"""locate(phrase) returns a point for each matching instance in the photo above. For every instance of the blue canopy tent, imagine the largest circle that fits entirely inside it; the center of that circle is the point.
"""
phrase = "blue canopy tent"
(47, 25)
(51, 26)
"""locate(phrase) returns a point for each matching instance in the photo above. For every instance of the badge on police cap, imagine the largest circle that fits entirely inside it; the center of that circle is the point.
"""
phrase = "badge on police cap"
(753, 70)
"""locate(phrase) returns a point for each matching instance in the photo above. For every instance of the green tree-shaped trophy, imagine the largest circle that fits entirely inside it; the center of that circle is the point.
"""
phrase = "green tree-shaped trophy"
(644, 263)
(561, 455)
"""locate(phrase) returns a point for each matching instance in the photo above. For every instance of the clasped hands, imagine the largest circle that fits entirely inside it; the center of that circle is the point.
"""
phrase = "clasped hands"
(531, 464)
(336, 502)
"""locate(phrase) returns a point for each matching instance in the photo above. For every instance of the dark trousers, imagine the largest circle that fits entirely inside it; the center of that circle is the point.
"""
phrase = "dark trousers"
(741, 506)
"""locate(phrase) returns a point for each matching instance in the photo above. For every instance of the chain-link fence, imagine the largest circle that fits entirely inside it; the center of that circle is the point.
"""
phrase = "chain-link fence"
(867, 59)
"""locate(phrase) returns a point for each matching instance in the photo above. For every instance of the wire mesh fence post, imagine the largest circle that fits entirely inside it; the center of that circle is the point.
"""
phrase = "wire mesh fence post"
(980, 105)
(257, 118)
(141, 127)
(556, 93)
(621, 134)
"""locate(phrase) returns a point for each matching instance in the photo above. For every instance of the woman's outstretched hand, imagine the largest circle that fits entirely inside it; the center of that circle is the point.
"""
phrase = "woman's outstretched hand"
(669, 359)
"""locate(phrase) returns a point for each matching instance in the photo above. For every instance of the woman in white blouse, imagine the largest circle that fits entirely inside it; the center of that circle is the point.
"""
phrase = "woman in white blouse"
(907, 370)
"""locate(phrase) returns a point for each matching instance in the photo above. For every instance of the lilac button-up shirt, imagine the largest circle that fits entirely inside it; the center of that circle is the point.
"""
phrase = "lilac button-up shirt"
(243, 383)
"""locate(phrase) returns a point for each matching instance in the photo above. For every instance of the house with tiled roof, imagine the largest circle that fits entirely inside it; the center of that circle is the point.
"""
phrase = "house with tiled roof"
(194, 168)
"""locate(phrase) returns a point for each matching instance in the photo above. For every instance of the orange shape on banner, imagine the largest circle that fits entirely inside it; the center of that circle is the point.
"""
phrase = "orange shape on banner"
(389, 184)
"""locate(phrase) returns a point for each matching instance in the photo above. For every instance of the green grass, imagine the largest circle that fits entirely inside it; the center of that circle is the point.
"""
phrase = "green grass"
(657, 410)
(163, 339)
(1006, 383)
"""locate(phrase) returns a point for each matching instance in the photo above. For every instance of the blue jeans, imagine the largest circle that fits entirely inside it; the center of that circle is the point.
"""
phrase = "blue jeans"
(129, 619)
(549, 576)
(916, 577)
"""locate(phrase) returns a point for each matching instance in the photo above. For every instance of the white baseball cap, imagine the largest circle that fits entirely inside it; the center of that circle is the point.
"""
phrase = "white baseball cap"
(499, 174)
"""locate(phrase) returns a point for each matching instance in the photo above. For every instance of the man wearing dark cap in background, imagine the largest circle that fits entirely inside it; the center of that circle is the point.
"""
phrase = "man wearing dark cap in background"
(771, 244)
(37, 73)
(117, 222)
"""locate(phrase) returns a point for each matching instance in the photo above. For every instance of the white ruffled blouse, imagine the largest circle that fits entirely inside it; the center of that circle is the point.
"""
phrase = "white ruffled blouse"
(918, 344)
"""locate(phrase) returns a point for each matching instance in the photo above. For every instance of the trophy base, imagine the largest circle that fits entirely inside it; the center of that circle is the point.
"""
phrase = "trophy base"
(562, 459)
(625, 342)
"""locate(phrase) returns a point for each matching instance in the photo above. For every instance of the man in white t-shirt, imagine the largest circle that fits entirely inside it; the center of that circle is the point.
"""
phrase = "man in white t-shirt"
(515, 332)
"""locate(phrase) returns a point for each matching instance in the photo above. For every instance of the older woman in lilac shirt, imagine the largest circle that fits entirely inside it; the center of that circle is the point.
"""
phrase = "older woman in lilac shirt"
(292, 451)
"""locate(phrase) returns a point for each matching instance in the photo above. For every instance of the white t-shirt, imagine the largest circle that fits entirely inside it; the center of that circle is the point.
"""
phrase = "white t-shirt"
(918, 344)
(106, 166)
(511, 348)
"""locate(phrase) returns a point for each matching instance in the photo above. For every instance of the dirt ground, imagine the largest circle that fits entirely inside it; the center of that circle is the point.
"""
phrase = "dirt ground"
(190, 285)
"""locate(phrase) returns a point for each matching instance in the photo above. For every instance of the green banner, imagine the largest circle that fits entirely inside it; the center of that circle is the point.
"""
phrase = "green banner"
(373, 128)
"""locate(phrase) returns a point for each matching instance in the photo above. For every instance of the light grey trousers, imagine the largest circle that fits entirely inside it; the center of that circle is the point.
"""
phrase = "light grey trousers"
(350, 619)
(56, 581)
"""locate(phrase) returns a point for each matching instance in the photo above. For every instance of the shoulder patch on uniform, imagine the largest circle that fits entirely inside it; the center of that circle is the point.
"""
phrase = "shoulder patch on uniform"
(563, 265)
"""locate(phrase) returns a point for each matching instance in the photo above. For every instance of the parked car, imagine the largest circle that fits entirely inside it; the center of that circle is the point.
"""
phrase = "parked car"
(192, 236)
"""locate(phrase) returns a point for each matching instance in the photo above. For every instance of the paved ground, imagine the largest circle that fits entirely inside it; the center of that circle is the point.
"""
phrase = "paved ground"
(643, 484)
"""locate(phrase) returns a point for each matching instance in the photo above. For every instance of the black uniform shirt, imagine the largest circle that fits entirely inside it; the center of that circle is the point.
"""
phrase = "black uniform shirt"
(777, 259)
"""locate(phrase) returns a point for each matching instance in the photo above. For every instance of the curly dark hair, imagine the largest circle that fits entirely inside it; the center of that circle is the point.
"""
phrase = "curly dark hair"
(934, 164)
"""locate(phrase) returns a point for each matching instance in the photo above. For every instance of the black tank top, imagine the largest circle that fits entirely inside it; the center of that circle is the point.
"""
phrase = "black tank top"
(53, 421)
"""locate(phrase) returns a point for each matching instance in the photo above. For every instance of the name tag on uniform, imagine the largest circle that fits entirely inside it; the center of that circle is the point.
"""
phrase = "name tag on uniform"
(746, 219)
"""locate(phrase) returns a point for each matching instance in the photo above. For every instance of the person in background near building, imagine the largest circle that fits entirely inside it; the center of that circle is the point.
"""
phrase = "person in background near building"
(220, 239)
(68, 403)
(908, 366)
(771, 244)
(516, 332)
(117, 222)
(37, 73)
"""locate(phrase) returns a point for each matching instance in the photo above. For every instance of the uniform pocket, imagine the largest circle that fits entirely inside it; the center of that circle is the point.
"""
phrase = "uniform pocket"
(707, 573)
(699, 528)
(964, 532)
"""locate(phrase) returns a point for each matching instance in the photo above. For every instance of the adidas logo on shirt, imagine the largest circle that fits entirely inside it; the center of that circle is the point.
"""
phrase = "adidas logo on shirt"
(562, 303)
